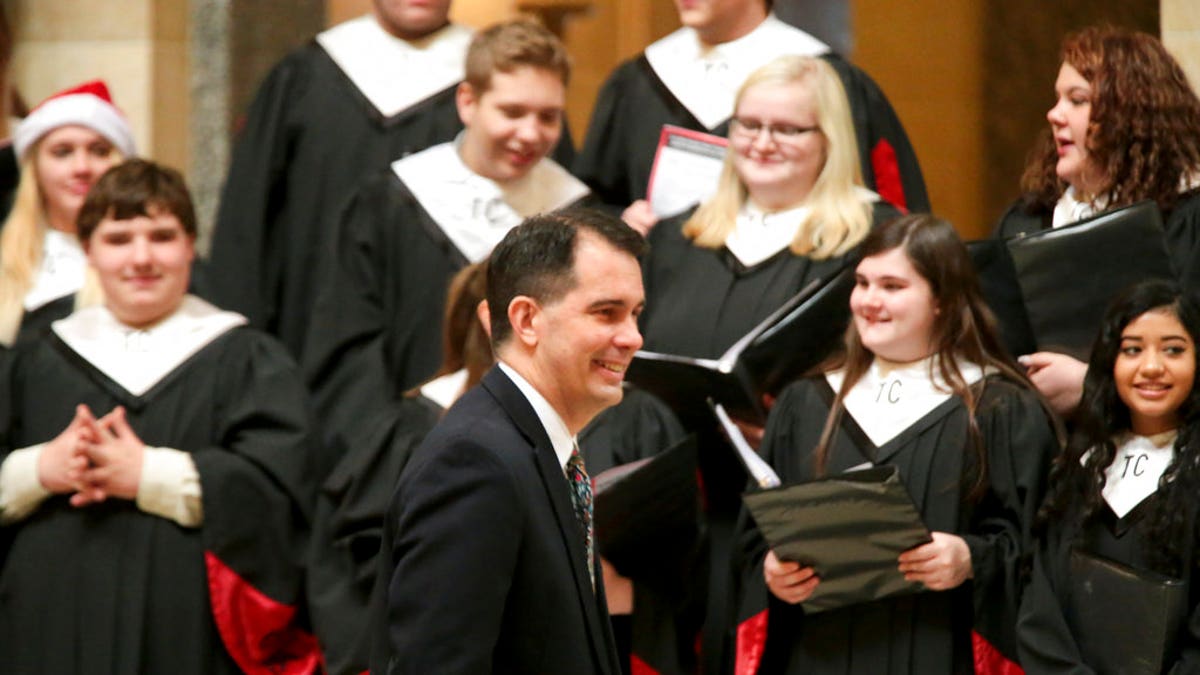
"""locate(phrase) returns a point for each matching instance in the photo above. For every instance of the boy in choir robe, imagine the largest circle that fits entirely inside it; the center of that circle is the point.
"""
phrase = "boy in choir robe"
(375, 330)
(362, 94)
(154, 468)
(689, 79)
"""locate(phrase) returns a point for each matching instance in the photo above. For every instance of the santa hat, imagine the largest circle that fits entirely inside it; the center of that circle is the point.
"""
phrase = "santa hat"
(88, 105)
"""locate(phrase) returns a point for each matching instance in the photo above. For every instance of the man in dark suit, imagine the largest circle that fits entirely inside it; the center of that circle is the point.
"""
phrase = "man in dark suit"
(490, 540)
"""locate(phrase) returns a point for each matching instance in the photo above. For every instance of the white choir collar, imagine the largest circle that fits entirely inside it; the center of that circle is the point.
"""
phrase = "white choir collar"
(138, 359)
(706, 81)
(552, 422)
(885, 402)
(446, 389)
(395, 74)
(1070, 209)
(62, 271)
(760, 234)
(476, 212)
(1137, 466)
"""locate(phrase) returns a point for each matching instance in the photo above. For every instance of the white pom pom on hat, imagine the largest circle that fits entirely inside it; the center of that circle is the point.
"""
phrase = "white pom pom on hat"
(87, 105)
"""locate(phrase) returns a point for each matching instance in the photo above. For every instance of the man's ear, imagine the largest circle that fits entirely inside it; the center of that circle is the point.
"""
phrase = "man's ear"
(465, 100)
(485, 317)
(523, 314)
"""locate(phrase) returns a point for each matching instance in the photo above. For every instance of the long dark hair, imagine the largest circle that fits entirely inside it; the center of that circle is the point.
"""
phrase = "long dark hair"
(1076, 484)
(964, 329)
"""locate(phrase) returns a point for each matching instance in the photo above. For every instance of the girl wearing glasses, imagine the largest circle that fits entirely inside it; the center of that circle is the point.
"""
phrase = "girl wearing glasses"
(790, 208)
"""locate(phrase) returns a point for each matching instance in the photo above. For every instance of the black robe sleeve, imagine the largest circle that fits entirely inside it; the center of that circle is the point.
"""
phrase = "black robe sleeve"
(1182, 225)
(1020, 442)
(247, 272)
(345, 364)
(1044, 639)
(257, 491)
(605, 162)
(343, 556)
(889, 162)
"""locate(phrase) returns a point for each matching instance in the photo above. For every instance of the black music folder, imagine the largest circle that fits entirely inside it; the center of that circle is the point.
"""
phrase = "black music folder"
(851, 528)
(1069, 275)
(1002, 293)
(780, 349)
(1124, 620)
(647, 516)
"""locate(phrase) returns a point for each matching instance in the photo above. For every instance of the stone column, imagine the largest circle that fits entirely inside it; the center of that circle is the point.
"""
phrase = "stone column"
(233, 44)
(1181, 35)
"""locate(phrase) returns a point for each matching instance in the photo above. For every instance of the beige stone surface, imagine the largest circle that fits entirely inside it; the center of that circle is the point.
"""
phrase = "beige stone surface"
(58, 20)
(43, 68)
(139, 47)
(928, 59)
(1181, 35)
(169, 104)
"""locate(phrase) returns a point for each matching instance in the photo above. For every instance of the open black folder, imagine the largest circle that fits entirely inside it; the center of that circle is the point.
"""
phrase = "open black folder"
(1067, 276)
(647, 516)
(790, 341)
(1124, 620)
(851, 528)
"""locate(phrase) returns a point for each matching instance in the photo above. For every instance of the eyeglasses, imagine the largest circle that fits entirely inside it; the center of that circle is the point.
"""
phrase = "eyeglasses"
(748, 129)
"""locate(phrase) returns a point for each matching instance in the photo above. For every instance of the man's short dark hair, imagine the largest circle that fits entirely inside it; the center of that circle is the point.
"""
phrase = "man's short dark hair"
(537, 259)
(133, 188)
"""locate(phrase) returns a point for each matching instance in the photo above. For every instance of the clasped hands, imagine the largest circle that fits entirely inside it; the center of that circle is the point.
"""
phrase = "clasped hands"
(941, 564)
(93, 459)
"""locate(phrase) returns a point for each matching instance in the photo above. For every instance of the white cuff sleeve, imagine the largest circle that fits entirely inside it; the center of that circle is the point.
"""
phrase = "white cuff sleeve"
(170, 486)
(21, 490)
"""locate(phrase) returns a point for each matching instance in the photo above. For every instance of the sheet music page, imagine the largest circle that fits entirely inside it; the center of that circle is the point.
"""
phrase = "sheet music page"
(686, 168)
(758, 468)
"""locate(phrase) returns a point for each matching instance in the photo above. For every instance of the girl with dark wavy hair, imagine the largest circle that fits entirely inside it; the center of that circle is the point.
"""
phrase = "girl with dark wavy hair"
(1125, 127)
(1126, 487)
(924, 386)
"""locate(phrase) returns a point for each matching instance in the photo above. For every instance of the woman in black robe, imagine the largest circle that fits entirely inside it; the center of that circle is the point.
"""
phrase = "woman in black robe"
(1125, 127)
(790, 209)
(154, 467)
(924, 386)
(1124, 491)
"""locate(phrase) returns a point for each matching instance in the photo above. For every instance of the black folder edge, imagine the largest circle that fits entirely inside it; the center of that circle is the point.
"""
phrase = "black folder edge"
(763, 361)
(1143, 212)
(1089, 569)
(631, 523)
(755, 502)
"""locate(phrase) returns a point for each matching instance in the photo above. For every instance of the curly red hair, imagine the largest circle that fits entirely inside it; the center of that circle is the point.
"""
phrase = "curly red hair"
(1144, 130)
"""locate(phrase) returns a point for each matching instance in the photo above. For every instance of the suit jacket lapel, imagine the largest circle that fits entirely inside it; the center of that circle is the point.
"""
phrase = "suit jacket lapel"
(558, 493)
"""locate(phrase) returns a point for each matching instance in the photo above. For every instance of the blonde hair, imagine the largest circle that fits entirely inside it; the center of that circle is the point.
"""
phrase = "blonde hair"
(838, 217)
(21, 240)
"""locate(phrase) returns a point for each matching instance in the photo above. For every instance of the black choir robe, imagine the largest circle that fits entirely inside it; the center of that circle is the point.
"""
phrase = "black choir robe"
(699, 302)
(309, 139)
(633, 105)
(343, 555)
(35, 324)
(928, 633)
(1045, 641)
(110, 589)
(1181, 226)
(376, 330)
